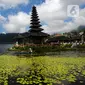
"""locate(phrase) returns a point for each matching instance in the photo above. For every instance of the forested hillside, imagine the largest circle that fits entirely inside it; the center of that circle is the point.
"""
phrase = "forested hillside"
(8, 38)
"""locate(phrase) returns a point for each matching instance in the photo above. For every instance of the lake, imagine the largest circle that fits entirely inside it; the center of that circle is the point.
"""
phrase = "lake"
(4, 47)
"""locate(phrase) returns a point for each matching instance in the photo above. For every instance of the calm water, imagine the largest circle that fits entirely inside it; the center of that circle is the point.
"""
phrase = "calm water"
(4, 47)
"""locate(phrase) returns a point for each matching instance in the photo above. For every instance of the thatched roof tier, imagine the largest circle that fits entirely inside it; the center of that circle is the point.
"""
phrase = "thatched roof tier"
(34, 34)
(34, 19)
(35, 22)
(35, 29)
(35, 26)
(39, 34)
(58, 38)
(75, 39)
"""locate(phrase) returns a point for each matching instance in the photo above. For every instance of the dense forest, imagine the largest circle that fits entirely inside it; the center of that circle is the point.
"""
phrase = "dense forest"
(7, 38)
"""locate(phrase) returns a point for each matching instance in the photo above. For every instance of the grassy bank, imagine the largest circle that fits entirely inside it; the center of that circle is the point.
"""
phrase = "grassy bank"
(40, 70)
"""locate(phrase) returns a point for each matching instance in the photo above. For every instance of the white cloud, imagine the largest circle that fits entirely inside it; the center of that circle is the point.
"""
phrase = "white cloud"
(3, 32)
(17, 23)
(11, 3)
(71, 2)
(54, 12)
(50, 10)
(2, 19)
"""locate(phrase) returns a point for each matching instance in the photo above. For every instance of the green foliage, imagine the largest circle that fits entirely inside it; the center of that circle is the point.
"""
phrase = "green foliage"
(40, 70)
(66, 46)
(43, 49)
(81, 46)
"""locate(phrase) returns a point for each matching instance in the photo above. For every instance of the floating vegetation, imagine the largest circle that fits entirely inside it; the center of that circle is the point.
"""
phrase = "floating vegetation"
(41, 70)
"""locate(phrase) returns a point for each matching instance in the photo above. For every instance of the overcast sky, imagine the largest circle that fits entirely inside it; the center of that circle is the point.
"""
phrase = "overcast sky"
(15, 15)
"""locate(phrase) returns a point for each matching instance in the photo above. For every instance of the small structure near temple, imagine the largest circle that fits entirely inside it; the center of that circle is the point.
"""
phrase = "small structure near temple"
(58, 39)
(19, 39)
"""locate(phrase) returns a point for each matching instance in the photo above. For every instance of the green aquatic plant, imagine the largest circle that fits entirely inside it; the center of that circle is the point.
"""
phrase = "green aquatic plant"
(43, 70)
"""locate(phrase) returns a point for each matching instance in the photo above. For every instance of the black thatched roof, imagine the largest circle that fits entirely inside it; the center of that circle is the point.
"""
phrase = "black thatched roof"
(35, 30)
(38, 34)
(64, 38)
(35, 22)
(58, 38)
(75, 38)
(28, 34)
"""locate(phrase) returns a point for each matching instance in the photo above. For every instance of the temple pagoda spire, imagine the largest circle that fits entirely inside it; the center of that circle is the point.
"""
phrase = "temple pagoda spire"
(36, 36)
(35, 22)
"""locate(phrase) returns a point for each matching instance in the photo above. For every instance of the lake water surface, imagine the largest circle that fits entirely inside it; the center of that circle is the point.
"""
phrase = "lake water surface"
(4, 47)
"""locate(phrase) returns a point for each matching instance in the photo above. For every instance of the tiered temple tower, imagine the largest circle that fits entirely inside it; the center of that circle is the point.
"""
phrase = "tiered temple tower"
(36, 35)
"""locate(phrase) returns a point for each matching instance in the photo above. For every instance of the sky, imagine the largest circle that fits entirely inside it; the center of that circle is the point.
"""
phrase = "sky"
(15, 15)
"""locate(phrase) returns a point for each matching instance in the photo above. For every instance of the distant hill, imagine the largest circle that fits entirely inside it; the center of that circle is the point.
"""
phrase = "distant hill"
(7, 38)
(81, 28)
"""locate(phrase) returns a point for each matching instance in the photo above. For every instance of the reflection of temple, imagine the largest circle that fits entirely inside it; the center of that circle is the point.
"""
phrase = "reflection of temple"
(35, 34)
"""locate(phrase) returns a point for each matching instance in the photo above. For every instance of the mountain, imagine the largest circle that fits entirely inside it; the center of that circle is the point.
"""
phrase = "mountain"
(81, 28)
(7, 38)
